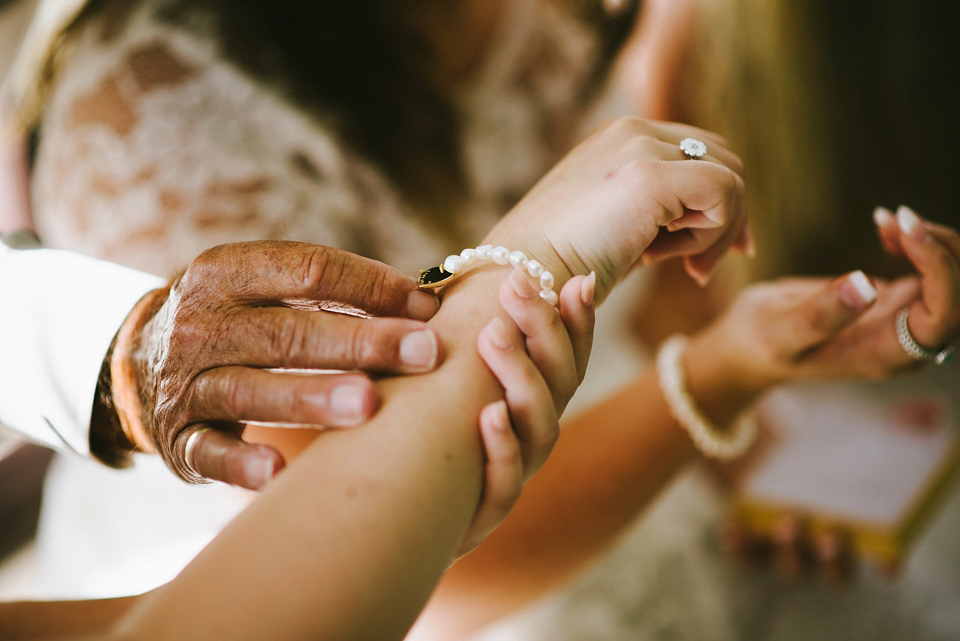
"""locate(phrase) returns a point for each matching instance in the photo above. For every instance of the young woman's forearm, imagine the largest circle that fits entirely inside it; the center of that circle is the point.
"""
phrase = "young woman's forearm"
(609, 464)
(42, 620)
(349, 542)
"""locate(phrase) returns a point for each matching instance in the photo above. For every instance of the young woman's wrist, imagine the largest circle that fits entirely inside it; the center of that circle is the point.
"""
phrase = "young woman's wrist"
(719, 380)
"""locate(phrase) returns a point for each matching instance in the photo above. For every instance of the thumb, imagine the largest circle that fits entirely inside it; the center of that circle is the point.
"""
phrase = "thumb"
(820, 317)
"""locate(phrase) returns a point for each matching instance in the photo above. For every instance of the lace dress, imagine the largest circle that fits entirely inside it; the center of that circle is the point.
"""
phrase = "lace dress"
(158, 149)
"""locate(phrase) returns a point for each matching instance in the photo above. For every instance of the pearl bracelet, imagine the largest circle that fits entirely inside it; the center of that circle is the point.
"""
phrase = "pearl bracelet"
(707, 438)
(455, 265)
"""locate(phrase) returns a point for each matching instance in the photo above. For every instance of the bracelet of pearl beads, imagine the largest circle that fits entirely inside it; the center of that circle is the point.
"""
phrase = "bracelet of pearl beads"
(454, 265)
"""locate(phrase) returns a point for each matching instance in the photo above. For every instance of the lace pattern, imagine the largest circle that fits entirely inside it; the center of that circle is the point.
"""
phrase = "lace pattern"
(154, 148)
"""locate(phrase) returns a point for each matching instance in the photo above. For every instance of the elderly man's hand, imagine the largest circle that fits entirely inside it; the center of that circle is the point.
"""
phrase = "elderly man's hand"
(201, 357)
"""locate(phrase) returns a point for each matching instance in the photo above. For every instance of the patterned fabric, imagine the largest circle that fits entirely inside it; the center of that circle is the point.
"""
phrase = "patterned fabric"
(161, 149)
(154, 149)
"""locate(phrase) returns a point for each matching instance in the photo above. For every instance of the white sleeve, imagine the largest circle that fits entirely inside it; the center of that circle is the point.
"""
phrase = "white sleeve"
(59, 312)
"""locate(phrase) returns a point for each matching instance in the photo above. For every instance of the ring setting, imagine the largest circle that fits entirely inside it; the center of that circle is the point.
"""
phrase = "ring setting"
(915, 350)
(693, 148)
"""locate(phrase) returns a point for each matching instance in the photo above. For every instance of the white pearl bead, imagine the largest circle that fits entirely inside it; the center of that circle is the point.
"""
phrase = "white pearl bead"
(500, 255)
(534, 268)
(453, 264)
(484, 251)
(546, 280)
(517, 259)
(550, 296)
(469, 257)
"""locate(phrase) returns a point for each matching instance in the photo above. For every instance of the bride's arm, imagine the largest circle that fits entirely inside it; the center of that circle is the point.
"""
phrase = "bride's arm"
(351, 539)
(615, 457)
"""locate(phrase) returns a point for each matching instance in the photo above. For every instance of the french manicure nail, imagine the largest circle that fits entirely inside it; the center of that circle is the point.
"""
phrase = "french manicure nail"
(497, 330)
(588, 289)
(857, 291)
(882, 216)
(910, 224)
(521, 284)
(418, 350)
(348, 402)
(422, 305)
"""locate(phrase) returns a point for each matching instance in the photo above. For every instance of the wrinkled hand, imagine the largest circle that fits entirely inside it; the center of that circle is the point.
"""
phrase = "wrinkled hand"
(205, 358)
(625, 191)
(539, 354)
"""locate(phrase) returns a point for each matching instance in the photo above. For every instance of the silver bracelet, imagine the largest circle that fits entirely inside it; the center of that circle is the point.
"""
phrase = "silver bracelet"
(454, 265)
(707, 438)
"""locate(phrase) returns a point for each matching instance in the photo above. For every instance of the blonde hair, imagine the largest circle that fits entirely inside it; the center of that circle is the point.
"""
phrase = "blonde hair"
(753, 80)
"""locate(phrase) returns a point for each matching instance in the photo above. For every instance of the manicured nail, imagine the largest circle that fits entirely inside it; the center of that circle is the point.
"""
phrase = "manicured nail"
(882, 216)
(910, 224)
(257, 471)
(588, 289)
(521, 284)
(349, 402)
(857, 291)
(422, 304)
(497, 331)
(418, 350)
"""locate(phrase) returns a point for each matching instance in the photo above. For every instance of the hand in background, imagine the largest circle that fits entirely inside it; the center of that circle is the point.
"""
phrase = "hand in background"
(203, 359)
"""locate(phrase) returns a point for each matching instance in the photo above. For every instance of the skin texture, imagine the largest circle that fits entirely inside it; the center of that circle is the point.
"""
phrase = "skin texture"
(416, 463)
(241, 308)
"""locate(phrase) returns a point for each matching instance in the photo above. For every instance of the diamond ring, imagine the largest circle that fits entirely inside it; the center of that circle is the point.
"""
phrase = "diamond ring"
(915, 350)
(693, 148)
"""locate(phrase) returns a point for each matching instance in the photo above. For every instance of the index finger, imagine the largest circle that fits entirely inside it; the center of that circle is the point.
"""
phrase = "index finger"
(287, 271)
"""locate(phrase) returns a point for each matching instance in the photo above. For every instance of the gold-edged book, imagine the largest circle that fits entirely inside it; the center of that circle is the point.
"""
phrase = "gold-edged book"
(875, 462)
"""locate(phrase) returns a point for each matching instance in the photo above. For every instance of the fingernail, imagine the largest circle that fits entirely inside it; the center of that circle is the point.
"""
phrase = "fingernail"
(422, 305)
(910, 224)
(521, 284)
(751, 244)
(882, 216)
(258, 471)
(857, 291)
(588, 289)
(348, 402)
(418, 350)
(497, 331)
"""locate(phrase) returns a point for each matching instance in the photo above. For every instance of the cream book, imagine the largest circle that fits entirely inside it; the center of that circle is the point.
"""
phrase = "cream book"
(876, 461)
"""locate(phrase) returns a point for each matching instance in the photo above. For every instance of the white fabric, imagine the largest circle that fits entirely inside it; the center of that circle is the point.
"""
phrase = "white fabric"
(59, 312)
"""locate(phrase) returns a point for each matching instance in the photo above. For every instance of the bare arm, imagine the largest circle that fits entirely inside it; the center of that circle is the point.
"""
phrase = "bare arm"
(613, 459)
(371, 518)
(32, 620)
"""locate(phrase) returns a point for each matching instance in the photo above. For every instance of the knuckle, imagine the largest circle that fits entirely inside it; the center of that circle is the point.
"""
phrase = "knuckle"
(368, 343)
(233, 396)
(205, 268)
(620, 125)
(318, 266)
(643, 146)
(291, 337)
